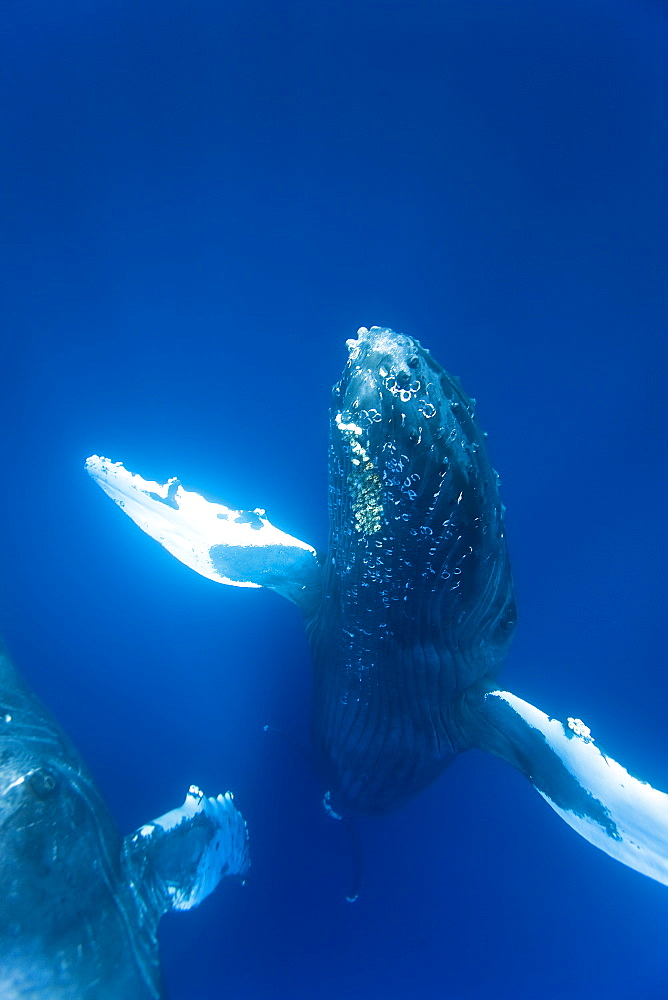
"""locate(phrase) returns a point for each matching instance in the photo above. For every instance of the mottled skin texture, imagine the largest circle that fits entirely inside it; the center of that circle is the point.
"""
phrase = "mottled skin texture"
(71, 925)
(418, 610)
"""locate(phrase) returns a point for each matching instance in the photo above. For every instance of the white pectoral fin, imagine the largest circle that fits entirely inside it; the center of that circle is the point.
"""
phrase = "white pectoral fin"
(186, 852)
(240, 548)
(623, 816)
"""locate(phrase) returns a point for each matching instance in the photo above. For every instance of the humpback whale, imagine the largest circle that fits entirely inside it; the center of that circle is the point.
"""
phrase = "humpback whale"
(80, 905)
(410, 612)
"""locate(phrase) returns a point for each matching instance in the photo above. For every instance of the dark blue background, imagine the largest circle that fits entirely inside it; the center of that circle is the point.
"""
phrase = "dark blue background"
(201, 201)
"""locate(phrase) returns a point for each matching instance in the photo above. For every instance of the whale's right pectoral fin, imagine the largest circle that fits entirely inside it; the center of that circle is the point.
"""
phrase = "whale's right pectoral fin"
(179, 858)
(240, 548)
(623, 816)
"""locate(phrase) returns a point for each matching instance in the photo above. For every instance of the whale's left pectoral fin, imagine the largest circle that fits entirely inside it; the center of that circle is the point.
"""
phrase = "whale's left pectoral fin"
(179, 858)
(240, 548)
(616, 812)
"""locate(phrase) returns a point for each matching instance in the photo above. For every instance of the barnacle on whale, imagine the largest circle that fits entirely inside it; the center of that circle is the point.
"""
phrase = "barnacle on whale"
(363, 481)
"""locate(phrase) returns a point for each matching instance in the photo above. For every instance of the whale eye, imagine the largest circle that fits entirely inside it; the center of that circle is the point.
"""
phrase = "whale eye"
(41, 782)
(413, 361)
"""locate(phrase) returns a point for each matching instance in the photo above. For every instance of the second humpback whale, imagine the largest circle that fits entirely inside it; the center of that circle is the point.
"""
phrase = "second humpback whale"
(79, 904)
(411, 611)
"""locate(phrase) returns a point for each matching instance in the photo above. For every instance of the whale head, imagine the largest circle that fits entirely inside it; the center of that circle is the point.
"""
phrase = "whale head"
(414, 501)
(390, 398)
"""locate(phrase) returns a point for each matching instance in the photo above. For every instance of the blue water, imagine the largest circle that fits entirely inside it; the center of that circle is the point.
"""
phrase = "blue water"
(201, 202)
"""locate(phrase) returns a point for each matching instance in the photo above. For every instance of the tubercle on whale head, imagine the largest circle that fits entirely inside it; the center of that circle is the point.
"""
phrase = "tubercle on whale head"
(381, 360)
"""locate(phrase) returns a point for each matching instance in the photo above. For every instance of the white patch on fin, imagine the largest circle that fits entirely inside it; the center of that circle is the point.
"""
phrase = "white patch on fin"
(220, 543)
(191, 848)
(639, 811)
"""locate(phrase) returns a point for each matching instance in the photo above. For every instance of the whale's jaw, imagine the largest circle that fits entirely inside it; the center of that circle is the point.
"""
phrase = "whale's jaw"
(418, 603)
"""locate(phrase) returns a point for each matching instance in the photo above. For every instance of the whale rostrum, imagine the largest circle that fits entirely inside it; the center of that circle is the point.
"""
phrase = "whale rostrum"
(411, 611)
(79, 904)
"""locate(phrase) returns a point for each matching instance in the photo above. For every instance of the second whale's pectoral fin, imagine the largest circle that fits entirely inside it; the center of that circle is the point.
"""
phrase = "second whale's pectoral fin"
(240, 548)
(625, 817)
(175, 861)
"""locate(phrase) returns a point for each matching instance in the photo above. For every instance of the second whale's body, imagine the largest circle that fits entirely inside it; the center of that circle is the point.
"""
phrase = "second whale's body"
(79, 904)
